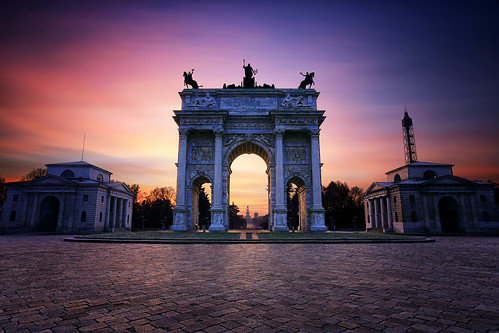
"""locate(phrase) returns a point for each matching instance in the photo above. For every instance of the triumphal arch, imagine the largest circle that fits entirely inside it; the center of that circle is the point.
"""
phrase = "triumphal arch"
(279, 125)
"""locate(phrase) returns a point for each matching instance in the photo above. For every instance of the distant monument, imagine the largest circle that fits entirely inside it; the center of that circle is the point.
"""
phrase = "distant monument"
(280, 125)
(248, 216)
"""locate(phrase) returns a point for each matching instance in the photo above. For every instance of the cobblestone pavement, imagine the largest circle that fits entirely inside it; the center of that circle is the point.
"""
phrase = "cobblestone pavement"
(48, 285)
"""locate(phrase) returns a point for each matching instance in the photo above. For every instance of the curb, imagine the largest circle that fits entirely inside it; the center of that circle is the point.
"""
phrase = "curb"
(248, 241)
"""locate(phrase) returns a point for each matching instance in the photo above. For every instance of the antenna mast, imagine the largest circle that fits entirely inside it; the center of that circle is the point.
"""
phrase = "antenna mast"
(83, 149)
(409, 140)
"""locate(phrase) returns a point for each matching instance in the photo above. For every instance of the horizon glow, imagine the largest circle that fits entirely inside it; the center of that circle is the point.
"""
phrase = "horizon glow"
(113, 72)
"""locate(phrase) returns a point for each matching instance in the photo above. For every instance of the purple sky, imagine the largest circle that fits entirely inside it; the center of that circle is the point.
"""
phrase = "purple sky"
(112, 70)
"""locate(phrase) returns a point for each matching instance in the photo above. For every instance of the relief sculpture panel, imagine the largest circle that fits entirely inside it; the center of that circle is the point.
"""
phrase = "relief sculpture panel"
(295, 155)
(202, 153)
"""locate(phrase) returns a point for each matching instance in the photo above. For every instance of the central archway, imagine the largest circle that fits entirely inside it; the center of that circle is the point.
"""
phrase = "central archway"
(49, 214)
(449, 214)
(239, 197)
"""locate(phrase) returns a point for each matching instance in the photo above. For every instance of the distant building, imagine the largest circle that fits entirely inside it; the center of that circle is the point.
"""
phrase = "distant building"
(248, 217)
(427, 197)
(74, 197)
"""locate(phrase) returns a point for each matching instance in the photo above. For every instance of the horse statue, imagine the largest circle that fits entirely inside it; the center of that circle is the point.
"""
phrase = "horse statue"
(309, 80)
(188, 81)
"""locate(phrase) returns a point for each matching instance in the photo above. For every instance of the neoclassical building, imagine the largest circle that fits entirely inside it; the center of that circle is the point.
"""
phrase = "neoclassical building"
(74, 197)
(427, 197)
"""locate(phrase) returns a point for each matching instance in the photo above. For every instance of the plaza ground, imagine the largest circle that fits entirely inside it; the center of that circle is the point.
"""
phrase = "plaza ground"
(49, 285)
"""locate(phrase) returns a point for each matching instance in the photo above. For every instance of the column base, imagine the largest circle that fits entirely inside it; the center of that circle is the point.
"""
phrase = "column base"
(179, 219)
(280, 219)
(217, 219)
(318, 223)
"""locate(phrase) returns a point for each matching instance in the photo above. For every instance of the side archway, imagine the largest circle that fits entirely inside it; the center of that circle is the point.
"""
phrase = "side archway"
(297, 203)
(200, 209)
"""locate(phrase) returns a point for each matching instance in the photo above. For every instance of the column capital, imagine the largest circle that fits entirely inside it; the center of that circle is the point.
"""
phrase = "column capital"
(315, 133)
(278, 133)
(218, 133)
(183, 132)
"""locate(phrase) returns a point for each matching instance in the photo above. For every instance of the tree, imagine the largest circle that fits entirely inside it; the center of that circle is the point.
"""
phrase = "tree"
(343, 206)
(236, 221)
(156, 208)
(35, 173)
(3, 190)
(162, 193)
(204, 208)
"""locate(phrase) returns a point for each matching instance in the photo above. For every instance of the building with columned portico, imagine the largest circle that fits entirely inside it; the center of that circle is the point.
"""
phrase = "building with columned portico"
(74, 197)
(427, 197)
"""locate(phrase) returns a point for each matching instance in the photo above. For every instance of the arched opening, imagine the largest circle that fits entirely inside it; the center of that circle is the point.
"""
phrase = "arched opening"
(429, 174)
(200, 203)
(297, 204)
(449, 214)
(49, 214)
(397, 178)
(247, 191)
(67, 174)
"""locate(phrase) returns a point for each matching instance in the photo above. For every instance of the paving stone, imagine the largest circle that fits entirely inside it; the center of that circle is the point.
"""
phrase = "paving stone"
(450, 285)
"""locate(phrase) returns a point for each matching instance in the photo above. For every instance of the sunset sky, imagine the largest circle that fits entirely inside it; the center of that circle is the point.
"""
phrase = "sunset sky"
(112, 70)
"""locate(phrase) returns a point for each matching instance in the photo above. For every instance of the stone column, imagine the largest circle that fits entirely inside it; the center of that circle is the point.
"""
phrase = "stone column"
(108, 213)
(317, 209)
(113, 214)
(474, 214)
(123, 213)
(438, 225)
(463, 219)
(119, 208)
(389, 213)
(61, 218)
(217, 211)
(180, 211)
(426, 213)
(383, 212)
(34, 211)
(280, 209)
(371, 213)
(375, 222)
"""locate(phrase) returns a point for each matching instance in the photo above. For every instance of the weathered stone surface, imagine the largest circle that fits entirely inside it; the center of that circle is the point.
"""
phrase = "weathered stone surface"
(449, 285)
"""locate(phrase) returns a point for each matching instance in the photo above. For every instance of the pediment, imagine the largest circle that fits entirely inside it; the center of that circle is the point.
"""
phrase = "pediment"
(374, 187)
(120, 187)
(49, 180)
(450, 180)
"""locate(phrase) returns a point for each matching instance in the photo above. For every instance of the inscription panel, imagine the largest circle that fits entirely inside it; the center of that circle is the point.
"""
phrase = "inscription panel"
(248, 103)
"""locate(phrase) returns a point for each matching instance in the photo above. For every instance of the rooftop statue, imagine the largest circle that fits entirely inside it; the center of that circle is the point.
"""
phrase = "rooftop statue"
(188, 81)
(249, 80)
(309, 80)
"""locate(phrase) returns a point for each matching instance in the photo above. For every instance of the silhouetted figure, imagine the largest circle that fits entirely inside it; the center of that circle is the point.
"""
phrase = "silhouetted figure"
(309, 80)
(188, 81)
(248, 80)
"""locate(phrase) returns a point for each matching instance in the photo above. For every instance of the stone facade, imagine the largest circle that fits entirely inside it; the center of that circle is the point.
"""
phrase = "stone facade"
(279, 125)
(427, 197)
(75, 197)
